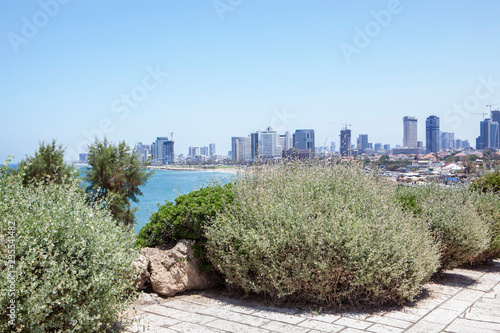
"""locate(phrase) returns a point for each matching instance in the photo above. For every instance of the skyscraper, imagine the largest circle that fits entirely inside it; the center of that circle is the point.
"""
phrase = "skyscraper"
(163, 150)
(363, 142)
(447, 140)
(432, 138)
(212, 149)
(269, 144)
(345, 142)
(238, 149)
(488, 137)
(303, 143)
(409, 132)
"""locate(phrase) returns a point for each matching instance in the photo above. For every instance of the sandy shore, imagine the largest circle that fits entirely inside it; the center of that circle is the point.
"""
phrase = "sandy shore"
(232, 170)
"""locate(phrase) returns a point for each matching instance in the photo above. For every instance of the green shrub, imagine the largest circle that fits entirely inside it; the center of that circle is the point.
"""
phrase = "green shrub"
(488, 207)
(326, 235)
(186, 219)
(487, 183)
(72, 262)
(452, 218)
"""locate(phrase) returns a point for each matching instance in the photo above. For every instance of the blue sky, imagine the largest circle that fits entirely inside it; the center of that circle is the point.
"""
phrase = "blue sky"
(210, 70)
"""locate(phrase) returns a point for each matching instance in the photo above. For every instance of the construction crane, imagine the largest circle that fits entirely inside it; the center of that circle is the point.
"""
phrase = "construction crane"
(490, 105)
(484, 114)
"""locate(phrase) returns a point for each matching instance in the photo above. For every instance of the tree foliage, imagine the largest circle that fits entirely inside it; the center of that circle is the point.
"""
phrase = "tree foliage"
(46, 166)
(116, 175)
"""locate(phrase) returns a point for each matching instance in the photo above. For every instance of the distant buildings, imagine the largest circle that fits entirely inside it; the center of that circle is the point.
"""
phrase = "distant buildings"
(304, 143)
(144, 151)
(489, 135)
(410, 132)
(345, 142)
(447, 140)
(432, 137)
(211, 148)
(238, 149)
(163, 150)
(83, 158)
(269, 144)
(362, 142)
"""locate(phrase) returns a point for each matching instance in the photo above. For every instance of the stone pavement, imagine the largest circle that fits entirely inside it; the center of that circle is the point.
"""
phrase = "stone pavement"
(462, 300)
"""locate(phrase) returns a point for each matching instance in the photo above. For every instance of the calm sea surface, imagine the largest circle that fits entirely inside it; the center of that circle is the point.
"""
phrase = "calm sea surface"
(166, 186)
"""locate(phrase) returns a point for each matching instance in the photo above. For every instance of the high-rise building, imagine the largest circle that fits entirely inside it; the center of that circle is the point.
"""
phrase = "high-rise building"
(332, 146)
(488, 137)
(163, 150)
(303, 143)
(363, 142)
(212, 149)
(447, 140)
(432, 138)
(238, 149)
(378, 146)
(387, 147)
(204, 151)
(410, 132)
(254, 143)
(269, 144)
(144, 151)
(345, 142)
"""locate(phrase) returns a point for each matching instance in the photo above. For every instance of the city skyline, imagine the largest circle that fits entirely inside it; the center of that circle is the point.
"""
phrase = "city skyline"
(143, 70)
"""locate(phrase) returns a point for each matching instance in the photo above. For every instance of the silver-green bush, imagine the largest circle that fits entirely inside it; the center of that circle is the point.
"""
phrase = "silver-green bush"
(326, 235)
(451, 215)
(67, 265)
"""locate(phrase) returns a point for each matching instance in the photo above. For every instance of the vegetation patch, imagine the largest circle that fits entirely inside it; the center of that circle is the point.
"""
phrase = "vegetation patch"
(72, 265)
(325, 235)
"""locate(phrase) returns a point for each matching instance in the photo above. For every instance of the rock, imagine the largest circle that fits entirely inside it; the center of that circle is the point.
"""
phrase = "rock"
(141, 265)
(148, 299)
(173, 271)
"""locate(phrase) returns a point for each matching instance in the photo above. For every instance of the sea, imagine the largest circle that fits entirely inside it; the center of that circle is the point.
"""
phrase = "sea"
(166, 185)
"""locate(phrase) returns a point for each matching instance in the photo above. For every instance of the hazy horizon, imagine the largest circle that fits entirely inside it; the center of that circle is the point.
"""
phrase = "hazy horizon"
(212, 70)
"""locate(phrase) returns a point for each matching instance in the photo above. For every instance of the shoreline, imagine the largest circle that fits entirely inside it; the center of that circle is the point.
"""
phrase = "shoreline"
(231, 170)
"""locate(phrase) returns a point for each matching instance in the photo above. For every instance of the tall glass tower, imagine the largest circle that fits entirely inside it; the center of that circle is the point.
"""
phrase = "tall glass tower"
(432, 137)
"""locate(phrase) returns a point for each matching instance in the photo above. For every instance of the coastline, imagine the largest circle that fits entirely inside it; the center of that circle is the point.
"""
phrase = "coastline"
(231, 170)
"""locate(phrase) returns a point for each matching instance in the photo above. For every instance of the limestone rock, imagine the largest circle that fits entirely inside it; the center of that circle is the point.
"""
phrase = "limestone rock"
(173, 271)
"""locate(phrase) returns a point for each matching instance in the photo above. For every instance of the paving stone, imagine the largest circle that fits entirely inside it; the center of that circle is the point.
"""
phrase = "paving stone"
(352, 330)
(325, 317)
(148, 329)
(379, 328)
(186, 327)
(354, 323)
(231, 326)
(422, 307)
(467, 326)
(321, 325)
(426, 327)
(389, 321)
(482, 316)
(183, 305)
(402, 315)
(180, 315)
(245, 309)
(277, 326)
(442, 316)
(485, 283)
(468, 295)
(456, 305)
(154, 319)
(355, 315)
(234, 316)
(442, 289)
(277, 316)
